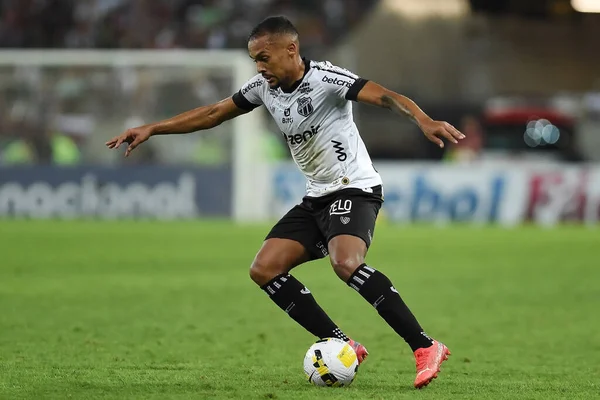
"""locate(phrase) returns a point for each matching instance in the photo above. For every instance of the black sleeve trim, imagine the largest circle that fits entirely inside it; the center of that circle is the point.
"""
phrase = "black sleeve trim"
(242, 102)
(334, 71)
(356, 87)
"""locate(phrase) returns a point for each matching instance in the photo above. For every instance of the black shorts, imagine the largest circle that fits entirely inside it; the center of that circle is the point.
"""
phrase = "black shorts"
(317, 220)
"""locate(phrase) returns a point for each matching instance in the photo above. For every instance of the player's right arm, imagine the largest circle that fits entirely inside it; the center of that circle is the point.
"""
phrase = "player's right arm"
(198, 119)
(245, 100)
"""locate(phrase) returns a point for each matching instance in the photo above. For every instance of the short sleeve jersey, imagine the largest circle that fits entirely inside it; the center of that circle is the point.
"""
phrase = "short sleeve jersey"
(315, 117)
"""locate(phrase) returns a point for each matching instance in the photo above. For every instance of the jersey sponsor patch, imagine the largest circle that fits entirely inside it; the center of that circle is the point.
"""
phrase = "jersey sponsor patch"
(339, 150)
(334, 80)
(252, 85)
(300, 138)
(286, 119)
(340, 207)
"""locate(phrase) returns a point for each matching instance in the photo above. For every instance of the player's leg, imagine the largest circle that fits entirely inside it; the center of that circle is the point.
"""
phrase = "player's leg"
(350, 226)
(347, 255)
(294, 240)
(277, 257)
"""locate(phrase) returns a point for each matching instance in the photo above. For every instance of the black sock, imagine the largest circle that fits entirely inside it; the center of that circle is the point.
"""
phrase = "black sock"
(378, 290)
(297, 301)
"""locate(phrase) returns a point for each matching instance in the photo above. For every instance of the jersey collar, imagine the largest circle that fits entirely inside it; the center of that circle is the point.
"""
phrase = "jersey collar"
(299, 81)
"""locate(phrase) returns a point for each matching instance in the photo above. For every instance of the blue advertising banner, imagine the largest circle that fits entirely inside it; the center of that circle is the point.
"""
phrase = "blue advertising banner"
(157, 192)
(428, 193)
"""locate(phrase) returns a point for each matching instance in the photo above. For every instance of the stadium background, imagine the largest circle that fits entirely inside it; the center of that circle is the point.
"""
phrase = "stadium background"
(142, 305)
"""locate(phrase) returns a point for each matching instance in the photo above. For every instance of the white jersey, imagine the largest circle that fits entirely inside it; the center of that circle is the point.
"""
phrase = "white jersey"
(315, 117)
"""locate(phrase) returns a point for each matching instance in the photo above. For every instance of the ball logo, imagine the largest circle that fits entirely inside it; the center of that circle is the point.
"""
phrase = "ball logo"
(347, 356)
(305, 107)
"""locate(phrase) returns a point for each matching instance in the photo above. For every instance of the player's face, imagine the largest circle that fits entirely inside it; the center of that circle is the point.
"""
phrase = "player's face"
(274, 57)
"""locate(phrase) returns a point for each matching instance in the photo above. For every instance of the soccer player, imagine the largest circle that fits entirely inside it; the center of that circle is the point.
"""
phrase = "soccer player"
(311, 103)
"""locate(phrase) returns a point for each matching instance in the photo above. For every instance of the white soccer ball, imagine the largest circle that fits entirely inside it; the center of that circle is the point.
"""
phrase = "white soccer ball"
(330, 362)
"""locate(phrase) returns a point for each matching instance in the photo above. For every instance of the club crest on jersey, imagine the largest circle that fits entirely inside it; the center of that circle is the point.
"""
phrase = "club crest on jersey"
(305, 107)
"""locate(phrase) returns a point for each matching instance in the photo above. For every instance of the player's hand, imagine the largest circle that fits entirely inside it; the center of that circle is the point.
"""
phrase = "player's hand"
(436, 130)
(133, 137)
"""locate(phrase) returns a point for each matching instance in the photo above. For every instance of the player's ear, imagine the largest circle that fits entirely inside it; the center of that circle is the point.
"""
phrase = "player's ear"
(292, 48)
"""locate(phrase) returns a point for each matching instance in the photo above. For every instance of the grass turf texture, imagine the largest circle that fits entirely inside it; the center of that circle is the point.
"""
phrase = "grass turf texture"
(156, 310)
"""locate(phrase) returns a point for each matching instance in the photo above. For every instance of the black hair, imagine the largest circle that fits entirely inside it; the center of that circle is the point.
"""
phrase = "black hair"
(273, 25)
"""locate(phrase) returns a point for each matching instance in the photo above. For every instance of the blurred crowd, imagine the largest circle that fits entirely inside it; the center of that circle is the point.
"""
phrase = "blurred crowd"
(166, 23)
(63, 114)
(50, 115)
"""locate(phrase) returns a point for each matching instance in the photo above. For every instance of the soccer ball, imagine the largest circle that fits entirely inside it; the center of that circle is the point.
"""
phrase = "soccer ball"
(330, 362)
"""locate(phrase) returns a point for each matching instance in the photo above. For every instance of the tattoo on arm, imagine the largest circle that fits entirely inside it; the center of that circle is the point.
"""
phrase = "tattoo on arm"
(391, 103)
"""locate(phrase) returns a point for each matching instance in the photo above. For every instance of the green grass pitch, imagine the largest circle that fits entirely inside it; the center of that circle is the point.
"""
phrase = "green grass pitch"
(157, 310)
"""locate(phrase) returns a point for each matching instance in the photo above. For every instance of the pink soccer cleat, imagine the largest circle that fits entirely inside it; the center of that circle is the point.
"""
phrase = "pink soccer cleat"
(428, 361)
(360, 350)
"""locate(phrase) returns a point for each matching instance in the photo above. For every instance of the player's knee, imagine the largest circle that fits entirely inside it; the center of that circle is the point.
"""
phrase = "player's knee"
(345, 265)
(263, 269)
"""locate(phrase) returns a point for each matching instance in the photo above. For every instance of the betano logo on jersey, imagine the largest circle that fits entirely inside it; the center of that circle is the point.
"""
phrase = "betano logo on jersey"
(300, 138)
(251, 86)
(336, 81)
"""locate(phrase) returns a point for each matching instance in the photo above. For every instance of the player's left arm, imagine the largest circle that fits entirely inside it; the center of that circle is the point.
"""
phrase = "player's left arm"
(375, 94)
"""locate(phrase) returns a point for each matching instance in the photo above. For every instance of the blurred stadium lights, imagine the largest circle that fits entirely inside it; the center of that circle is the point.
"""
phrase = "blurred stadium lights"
(421, 9)
(537, 9)
(541, 132)
(586, 6)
